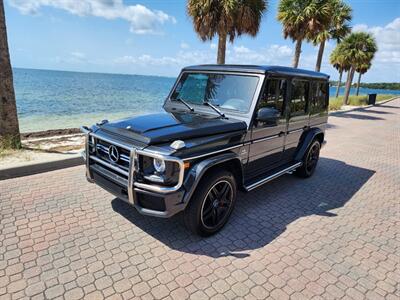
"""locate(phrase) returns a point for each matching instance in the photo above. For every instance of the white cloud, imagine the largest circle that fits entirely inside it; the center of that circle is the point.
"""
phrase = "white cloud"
(213, 46)
(142, 20)
(78, 55)
(241, 49)
(185, 45)
(276, 54)
(388, 40)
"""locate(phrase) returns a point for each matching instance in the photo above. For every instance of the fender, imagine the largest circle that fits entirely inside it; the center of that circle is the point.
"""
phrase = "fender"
(306, 140)
(196, 173)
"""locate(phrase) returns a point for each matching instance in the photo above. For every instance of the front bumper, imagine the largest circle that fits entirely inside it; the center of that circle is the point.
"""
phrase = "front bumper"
(148, 199)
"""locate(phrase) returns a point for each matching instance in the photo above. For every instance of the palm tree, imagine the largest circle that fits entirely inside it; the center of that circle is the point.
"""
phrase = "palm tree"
(339, 63)
(227, 19)
(336, 27)
(357, 48)
(302, 18)
(361, 69)
(9, 128)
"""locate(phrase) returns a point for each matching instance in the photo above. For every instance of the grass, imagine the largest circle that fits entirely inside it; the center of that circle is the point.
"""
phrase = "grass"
(9, 145)
(336, 103)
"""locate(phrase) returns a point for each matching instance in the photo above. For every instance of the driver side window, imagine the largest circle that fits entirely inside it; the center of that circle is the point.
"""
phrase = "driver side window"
(272, 98)
(273, 95)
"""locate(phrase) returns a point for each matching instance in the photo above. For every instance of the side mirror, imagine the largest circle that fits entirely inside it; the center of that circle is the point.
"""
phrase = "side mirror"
(268, 115)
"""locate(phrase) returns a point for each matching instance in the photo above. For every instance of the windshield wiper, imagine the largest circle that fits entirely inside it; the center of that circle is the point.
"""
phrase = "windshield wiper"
(185, 103)
(206, 103)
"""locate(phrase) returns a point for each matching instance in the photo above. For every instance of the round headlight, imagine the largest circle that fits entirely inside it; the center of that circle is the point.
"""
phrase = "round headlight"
(159, 165)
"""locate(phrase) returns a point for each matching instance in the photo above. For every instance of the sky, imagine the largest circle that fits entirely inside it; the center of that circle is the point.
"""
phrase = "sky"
(156, 37)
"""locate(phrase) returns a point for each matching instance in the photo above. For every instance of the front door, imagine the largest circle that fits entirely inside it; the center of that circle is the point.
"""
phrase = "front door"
(298, 116)
(268, 137)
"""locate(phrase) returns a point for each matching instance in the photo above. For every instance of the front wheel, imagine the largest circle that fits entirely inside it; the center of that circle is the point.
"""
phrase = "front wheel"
(310, 160)
(212, 204)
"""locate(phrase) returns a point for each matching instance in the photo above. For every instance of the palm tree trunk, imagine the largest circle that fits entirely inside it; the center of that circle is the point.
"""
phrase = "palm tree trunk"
(297, 53)
(221, 48)
(320, 55)
(358, 84)
(9, 127)
(339, 83)
(349, 81)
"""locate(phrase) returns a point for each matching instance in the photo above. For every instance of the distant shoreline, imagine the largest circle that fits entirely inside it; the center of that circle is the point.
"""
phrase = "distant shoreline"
(98, 73)
(333, 83)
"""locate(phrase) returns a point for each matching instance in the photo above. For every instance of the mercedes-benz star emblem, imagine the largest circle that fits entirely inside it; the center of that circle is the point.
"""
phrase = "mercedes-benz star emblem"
(113, 153)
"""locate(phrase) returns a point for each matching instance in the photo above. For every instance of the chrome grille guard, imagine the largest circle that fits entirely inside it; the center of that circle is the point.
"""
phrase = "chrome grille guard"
(133, 165)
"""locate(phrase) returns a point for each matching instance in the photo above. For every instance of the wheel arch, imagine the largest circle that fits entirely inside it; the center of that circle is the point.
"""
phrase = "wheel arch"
(228, 161)
(307, 138)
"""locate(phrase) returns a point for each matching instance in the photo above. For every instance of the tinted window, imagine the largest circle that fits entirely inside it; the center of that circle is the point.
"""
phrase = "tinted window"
(234, 92)
(300, 92)
(274, 95)
(319, 96)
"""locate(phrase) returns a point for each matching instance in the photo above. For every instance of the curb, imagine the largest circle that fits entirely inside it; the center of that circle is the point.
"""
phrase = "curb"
(40, 168)
(354, 108)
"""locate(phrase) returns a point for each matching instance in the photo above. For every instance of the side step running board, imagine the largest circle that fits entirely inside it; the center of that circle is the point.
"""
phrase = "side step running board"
(272, 177)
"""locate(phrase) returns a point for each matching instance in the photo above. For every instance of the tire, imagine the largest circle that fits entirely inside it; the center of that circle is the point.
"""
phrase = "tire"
(310, 160)
(207, 205)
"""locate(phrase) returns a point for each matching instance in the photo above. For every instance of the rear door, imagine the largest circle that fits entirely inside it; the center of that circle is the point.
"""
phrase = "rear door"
(298, 120)
(319, 102)
(268, 138)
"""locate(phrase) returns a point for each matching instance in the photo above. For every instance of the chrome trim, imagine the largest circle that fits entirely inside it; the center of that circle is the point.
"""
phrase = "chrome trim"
(295, 130)
(132, 168)
(105, 149)
(131, 174)
(267, 138)
(116, 143)
(86, 131)
(273, 176)
(154, 178)
(112, 176)
(116, 169)
(158, 188)
(214, 152)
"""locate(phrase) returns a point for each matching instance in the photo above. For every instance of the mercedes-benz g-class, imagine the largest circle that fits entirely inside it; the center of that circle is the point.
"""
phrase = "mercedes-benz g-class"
(224, 128)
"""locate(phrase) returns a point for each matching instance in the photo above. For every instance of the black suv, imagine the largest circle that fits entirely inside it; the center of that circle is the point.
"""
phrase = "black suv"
(225, 128)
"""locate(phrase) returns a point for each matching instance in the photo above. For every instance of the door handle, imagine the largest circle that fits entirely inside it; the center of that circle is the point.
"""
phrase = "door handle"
(281, 133)
(305, 127)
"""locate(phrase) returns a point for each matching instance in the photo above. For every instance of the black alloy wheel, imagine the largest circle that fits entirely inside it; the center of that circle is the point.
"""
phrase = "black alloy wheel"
(212, 203)
(216, 204)
(310, 160)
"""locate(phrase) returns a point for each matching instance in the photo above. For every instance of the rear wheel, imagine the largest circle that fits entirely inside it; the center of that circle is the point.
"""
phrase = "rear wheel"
(211, 204)
(310, 160)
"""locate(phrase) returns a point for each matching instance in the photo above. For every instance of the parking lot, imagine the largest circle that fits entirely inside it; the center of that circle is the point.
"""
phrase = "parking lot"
(335, 235)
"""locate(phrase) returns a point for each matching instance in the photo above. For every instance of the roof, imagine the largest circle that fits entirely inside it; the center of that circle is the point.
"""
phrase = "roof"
(258, 70)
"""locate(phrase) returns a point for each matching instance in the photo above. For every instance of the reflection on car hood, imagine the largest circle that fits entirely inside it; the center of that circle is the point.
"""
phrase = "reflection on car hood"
(166, 127)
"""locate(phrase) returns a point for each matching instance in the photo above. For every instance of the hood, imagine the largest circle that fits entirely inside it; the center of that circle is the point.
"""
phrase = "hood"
(167, 127)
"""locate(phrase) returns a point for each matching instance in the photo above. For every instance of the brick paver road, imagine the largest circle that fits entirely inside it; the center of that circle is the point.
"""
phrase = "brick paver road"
(335, 235)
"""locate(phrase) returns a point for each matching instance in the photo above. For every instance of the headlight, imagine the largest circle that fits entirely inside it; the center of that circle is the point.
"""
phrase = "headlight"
(159, 165)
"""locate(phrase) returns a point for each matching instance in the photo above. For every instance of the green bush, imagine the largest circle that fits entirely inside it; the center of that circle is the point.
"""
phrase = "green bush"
(361, 100)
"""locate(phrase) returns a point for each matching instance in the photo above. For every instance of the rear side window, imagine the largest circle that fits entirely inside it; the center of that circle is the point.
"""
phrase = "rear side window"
(274, 95)
(299, 98)
(319, 97)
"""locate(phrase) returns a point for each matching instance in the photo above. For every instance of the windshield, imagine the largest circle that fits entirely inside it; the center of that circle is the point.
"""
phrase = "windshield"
(226, 91)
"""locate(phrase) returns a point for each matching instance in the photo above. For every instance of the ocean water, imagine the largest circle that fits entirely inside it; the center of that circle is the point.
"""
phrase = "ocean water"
(59, 99)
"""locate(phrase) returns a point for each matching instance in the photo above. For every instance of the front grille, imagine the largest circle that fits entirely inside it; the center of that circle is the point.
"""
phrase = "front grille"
(102, 151)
